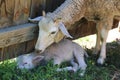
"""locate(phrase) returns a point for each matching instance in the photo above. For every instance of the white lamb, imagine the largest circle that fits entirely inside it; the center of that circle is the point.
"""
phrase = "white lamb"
(65, 50)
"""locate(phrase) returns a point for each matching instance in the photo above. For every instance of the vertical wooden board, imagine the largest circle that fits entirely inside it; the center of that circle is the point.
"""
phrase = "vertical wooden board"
(18, 49)
(14, 12)
(49, 5)
(82, 28)
(6, 12)
(5, 54)
(1, 54)
(30, 45)
(21, 11)
(13, 51)
(36, 8)
(38, 5)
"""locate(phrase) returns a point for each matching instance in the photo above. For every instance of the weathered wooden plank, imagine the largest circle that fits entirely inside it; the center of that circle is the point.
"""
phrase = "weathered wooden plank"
(36, 8)
(30, 45)
(17, 34)
(14, 12)
(12, 51)
(1, 54)
(21, 11)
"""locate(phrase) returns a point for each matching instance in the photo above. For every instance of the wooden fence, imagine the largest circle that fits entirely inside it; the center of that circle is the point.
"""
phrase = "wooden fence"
(17, 36)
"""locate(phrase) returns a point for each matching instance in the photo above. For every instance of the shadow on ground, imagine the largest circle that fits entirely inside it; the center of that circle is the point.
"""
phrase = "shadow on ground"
(112, 60)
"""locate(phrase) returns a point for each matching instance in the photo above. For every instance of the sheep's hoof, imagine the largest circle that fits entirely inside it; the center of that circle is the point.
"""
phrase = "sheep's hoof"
(82, 73)
(99, 65)
(100, 61)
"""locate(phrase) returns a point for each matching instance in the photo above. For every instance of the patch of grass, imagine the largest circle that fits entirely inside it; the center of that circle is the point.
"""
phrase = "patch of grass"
(8, 71)
(109, 71)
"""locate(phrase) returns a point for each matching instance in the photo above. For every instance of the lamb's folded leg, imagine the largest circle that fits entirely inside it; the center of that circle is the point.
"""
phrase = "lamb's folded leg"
(69, 68)
(58, 62)
(74, 67)
(79, 55)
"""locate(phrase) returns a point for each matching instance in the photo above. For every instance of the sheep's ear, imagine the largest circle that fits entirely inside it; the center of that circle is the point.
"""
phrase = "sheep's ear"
(63, 29)
(34, 20)
(63, 32)
(37, 59)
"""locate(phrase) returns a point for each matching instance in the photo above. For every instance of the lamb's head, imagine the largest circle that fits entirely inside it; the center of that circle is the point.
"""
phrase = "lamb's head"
(28, 61)
(50, 31)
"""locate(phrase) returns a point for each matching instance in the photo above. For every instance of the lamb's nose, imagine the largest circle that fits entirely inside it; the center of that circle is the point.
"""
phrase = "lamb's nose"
(38, 51)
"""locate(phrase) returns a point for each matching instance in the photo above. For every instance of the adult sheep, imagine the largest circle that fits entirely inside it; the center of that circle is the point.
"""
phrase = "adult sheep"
(102, 12)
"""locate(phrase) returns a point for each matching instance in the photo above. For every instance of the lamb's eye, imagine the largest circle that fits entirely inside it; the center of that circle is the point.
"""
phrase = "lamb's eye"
(53, 32)
(25, 63)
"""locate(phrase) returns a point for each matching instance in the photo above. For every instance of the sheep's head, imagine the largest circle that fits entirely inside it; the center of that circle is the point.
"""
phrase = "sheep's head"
(50, 31)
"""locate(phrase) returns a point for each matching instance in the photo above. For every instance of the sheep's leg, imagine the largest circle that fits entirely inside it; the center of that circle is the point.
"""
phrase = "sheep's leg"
(97, 47)
(103, 48)
(105, 27)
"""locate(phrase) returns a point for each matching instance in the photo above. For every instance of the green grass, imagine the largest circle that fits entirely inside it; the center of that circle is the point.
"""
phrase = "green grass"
(109, 71)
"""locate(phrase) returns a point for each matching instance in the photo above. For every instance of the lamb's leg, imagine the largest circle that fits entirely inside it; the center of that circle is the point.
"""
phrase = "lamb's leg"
(105, 27)
(69, 68)
(79, 55)
(82, 65)
(75, 65)
(58, 62)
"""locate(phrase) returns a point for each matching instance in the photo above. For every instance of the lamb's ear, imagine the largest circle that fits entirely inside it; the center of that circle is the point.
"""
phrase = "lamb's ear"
(63, 29)
(37, 59)
(34, 20)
